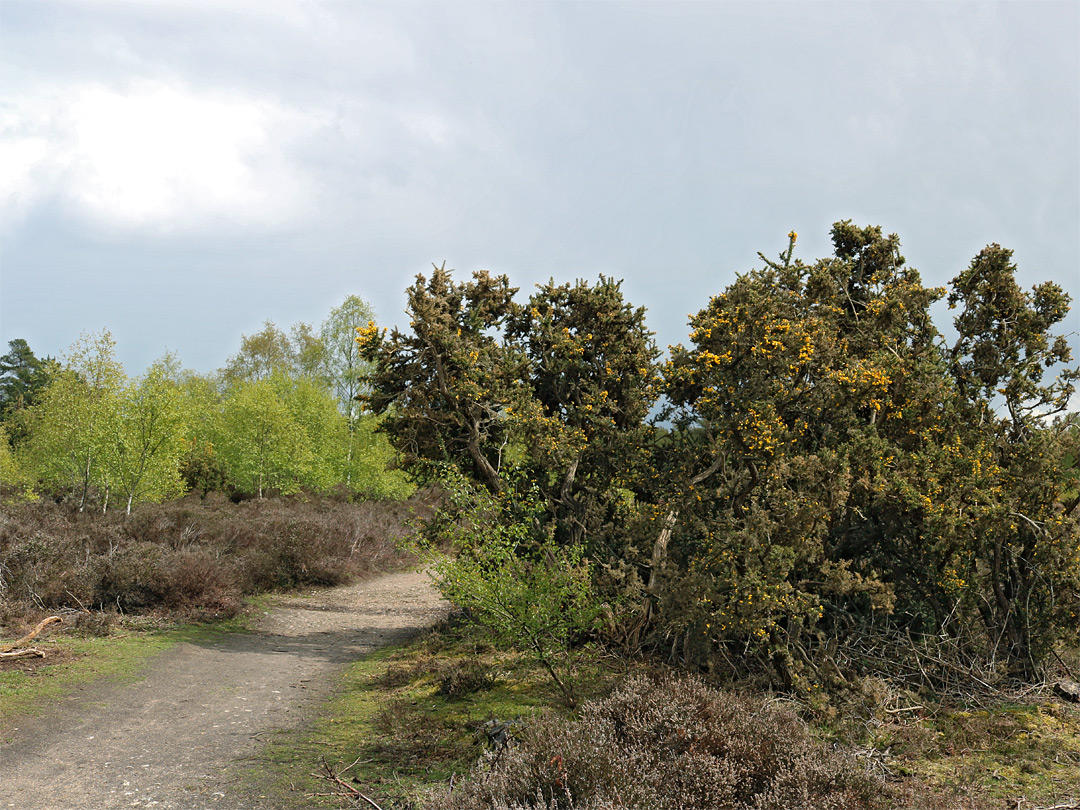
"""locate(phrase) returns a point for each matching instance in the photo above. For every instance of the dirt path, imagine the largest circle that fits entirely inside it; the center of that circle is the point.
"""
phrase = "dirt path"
(167, 742)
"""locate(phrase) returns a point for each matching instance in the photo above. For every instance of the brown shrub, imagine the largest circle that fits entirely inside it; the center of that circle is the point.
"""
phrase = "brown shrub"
(409, 738)
(463, 678)
(192, 557)
(669, 743)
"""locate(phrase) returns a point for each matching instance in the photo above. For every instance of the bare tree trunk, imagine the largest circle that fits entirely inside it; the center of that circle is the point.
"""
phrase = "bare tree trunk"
(490, 474)
(659, 554)
(85, 483)
(660, 547)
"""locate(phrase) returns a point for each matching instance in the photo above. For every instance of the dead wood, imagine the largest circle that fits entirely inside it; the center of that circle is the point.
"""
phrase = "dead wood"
(1068, 690)
(22, 642)
(345, 789)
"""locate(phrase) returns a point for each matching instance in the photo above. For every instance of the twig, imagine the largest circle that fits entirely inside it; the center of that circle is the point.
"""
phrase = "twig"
(1064, 666)
(368, 799)
(335, 777)
(903, 709)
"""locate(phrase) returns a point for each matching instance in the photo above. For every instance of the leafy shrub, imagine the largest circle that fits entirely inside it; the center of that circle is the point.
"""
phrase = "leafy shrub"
(667, 743)
(530, 594)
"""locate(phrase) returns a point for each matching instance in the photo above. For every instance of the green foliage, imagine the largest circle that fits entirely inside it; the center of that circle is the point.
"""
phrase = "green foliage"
(838, 462)
(1005, 345)
(531, 594)
(282, 416)
(270, 352)
(148, 436)
(553, 394)
(824, 462)
(346, 369)
(314, 410)
(369, 463)
(201, 469)
(543, 407)
(8, 466)
(261, 444)
(592, 382)
(70, 426)
(22, 377)
(446, 389)
(1022, 535)
(315, 436)
(200, 466)
(12, 477)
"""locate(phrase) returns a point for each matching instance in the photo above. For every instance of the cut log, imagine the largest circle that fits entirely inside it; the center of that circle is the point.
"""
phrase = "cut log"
(22, 642)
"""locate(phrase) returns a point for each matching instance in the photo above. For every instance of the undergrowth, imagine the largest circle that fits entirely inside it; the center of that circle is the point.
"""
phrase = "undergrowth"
(411, 723)
(418, 715)
(192, 559)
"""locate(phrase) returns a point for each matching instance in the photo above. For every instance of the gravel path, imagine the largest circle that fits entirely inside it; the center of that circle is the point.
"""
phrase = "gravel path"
(167, 741)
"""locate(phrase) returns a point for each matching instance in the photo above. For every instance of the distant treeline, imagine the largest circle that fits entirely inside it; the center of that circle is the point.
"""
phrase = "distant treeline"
(282, 416)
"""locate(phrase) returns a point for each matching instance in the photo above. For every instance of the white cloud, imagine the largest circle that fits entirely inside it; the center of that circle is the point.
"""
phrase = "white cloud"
(153, 156)
(427, 126)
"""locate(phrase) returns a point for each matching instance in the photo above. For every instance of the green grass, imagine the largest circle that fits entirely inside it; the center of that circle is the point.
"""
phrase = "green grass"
(991, 754)
(412, 718)
(1003, 752)
(31, 687)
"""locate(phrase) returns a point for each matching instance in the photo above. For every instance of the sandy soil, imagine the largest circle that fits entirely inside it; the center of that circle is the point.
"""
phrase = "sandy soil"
(169, 740)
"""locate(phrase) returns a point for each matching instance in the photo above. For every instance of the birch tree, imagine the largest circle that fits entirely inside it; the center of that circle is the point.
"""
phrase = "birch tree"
(148, 436)
(261, 444)
(347, 371)
(71, 425)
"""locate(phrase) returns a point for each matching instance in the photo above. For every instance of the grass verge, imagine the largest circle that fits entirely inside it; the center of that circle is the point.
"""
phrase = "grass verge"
(1018, 751)
(1016, 755)
(414, 716)
(75, 660)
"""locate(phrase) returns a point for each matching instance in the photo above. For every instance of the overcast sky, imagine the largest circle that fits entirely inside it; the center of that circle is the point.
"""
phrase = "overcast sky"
(180, 171)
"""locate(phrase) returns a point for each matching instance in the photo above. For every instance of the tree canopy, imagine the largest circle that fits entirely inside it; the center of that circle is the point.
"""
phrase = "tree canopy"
(276, 419)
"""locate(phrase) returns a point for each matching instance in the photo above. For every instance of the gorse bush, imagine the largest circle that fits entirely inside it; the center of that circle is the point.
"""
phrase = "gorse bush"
(823, 464)
(669, 744)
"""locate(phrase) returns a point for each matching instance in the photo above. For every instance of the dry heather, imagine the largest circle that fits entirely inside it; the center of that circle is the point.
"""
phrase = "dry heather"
(667, 744)
(192, 558)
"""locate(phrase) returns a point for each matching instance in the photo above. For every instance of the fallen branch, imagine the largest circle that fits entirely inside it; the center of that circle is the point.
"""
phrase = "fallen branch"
(29, 652)
(330, 775)
(903, 709)
(22, 642)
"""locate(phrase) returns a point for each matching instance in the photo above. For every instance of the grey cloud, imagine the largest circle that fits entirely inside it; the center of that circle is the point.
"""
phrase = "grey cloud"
(663, 142)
